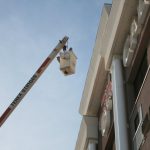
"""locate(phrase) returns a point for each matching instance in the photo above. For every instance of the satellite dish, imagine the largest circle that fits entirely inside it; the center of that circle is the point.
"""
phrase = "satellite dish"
(105, 122)
(128, 52)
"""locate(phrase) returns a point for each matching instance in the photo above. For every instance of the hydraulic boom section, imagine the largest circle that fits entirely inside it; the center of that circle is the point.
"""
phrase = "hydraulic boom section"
(34, 78)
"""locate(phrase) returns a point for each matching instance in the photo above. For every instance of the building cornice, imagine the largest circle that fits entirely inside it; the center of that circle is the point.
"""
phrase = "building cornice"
(113, 29)
(96, 70)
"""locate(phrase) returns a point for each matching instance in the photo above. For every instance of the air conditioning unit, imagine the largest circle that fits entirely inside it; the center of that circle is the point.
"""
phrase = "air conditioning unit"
(142, 10)
(138, 136)
(127, 52)
(105, 121)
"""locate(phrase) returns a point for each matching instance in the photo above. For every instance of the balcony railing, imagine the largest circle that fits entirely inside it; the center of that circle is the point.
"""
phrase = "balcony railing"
(146, 80)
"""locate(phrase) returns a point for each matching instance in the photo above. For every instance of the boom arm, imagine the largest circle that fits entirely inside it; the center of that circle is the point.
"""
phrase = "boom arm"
(33, 79)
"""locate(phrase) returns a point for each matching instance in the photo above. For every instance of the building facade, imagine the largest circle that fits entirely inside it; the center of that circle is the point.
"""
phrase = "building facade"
(115, 103)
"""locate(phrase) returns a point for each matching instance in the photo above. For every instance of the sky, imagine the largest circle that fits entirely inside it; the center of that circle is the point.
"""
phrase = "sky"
(48, 117)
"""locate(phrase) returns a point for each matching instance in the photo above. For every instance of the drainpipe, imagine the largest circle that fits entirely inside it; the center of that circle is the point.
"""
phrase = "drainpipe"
(119, 108)
(92, 145)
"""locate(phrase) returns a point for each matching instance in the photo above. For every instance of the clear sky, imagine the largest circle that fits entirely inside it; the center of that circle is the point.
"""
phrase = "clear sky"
(47, 118)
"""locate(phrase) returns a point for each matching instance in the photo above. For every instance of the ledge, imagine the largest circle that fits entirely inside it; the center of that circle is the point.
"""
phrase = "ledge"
(88, 131)
(96, 73)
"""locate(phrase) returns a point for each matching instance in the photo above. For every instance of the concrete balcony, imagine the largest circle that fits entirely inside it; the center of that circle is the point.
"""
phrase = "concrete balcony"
(88, 133)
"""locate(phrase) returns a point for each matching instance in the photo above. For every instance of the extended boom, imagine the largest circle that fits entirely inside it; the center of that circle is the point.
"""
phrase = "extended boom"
(33, 79)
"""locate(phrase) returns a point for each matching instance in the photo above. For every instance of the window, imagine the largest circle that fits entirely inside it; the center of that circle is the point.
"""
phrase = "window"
(140, 74)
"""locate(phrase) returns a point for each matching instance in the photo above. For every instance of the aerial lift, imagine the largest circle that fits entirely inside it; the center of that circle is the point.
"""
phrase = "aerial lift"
(67, 60)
